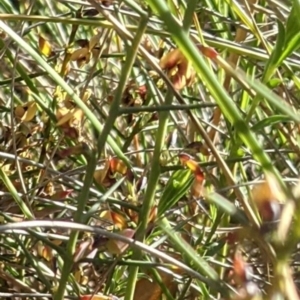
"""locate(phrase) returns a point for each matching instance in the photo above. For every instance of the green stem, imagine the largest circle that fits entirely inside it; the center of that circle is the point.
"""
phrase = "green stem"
(113, 114)
(188, 15)
(60, 81)
(78, 218)
(193, 258)
(149, 195)
(251, 52)
(138, 109)
(14, 193)
(126, 70)
(225, 103)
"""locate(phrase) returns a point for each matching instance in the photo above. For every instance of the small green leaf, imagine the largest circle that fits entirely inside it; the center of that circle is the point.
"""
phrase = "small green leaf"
(291, 45)
(273, 61)
(214, 248)
(293, 21)
(228, 207)
(274, 82)
(175, 189)
(270, 121)
(288, 41)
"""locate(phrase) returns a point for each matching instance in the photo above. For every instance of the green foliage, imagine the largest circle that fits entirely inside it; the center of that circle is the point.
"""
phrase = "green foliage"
(288, 41)
(149, 149)
(177, 186)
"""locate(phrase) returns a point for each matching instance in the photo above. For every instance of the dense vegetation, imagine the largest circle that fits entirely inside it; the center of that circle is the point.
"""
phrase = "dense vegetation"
(149, 149)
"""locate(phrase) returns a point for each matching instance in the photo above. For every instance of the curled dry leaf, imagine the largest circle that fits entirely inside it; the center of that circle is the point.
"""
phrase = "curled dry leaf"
(132, 214)
(117, 247)
(114, 218)
(44, 251)
(197, 186)
(187, 161)
(49, 188)
(88, 50)
(70, 121)
(117, 166)
(26, 112)
(80, 277)
(179, 69)
(70, 116)
(60, 115)
(106, 175)
(208, 51)
(103, 175)
(147, 289)
(134, 94)
(81, 56)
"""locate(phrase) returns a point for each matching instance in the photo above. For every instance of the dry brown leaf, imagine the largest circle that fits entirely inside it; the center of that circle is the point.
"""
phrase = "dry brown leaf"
(208, 51)
(102, 176)
(94, 41)
(179, 69)
(83, 55)
(45, 251)
(80, 54)
(117, 247)
(118, 166)
(187, 161)
(66, 115)
(26, 112)
(70, 120)
(147, 289)
(114, 218)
